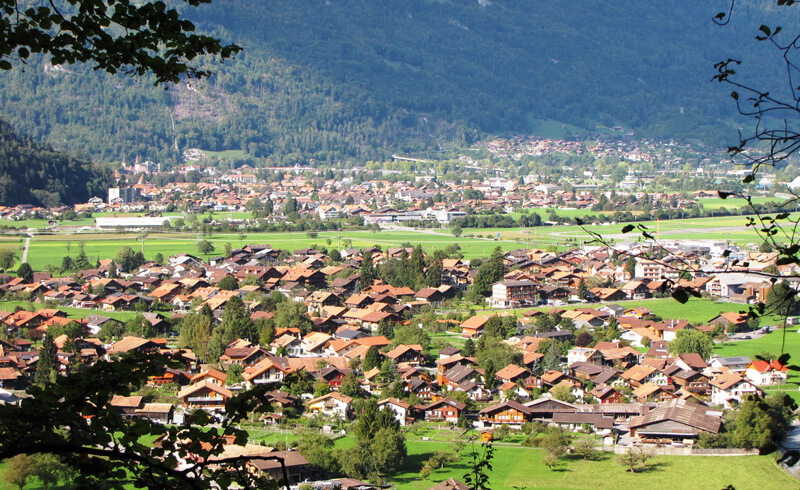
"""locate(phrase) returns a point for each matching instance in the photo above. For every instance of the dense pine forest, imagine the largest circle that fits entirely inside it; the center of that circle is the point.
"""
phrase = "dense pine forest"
(322, 81)
(31, 173)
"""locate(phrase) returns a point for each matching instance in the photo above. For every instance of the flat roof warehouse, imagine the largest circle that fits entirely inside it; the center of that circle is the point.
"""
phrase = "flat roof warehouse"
(135, 223)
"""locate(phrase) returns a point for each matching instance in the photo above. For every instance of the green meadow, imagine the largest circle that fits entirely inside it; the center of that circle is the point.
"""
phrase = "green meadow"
(519, 467)
(50, 249)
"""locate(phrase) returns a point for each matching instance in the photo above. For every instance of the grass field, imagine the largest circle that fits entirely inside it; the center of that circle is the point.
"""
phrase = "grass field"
(774, 343)
(518, 467)
(696, 311)
(50, 249)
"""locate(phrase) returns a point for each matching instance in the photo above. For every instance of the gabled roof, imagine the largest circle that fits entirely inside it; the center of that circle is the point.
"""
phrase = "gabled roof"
(683, 412)
(446, 401)
(189, 390)
(335, 395)
(506, 405)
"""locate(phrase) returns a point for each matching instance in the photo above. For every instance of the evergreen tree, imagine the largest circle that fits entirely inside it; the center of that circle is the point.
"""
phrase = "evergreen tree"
(552, 358)
(367, 271)
(433, 277)
(47, 366)
(469, 348)
(25, 272)
(371, 359)
(416, 265)
(236, 322)
(112, 270)
(82, 261)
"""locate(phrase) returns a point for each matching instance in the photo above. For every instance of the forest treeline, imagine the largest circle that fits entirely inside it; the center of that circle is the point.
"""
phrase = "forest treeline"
(31, 173)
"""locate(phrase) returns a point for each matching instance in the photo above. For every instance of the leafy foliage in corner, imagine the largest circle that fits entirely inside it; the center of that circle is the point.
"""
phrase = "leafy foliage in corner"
(71, 418)
(111, 35)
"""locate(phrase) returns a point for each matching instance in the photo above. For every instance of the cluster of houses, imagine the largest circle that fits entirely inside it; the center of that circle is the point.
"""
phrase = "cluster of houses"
(659, 396)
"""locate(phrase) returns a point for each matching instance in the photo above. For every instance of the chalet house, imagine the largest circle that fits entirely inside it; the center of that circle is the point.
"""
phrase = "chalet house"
(766, 373)
(333, 404)
(729, 389)
(509, 412)
(298, 468)
(265, 371)
(583, 354)
(243, 356)
(636, 290)
(546, 407)
(651, 392)
(319, 299)
(445, 409)
(732, 321)
(733, 364)
(677, 420)
(406, 354)
(604, 393)
(128, 344)
(608, 294)
(206, 395)
(332, 375)
(444, 365)
(156, 412)
(553, 294)
(423, 389)
(10, 378)
(638, 375)
(430, 295)
(401, 409)
(126, 405)
(458, 374)
(473, 326)
(512, 373)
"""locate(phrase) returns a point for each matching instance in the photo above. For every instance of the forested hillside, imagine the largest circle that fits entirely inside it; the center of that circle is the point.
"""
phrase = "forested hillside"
(327, 80)
(33, 174)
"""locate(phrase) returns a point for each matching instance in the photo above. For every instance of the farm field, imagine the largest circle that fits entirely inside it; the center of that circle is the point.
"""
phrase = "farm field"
(50, 249)
(519, 467)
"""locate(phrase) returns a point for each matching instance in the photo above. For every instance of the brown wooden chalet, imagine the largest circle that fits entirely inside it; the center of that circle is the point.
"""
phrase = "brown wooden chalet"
(508, 413)
(206, 395)
(547, 407)
(444, 410)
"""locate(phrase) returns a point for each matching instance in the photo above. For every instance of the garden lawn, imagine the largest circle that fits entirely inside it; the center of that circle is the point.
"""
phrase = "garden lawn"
(518, 467)
(771, 343)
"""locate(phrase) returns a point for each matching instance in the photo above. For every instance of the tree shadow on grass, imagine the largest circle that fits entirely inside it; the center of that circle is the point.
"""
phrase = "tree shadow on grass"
(653, 467)
(412, 464)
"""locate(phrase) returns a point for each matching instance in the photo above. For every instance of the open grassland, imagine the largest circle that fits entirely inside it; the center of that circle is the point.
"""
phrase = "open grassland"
(518, 467)
(50, 249)
(735, 202)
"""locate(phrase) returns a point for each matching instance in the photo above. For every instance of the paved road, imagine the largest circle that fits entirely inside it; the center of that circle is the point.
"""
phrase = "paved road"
(792, 442)
(25, 249)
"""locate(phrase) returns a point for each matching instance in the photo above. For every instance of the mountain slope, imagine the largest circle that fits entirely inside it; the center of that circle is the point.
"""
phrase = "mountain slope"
(33, 174)
(338, 79)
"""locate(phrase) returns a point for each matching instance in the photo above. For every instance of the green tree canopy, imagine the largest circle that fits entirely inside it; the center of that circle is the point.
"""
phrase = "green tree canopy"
(690, 340)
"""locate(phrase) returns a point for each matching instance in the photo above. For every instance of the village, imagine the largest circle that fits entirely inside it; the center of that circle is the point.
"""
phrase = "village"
(326, 332)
